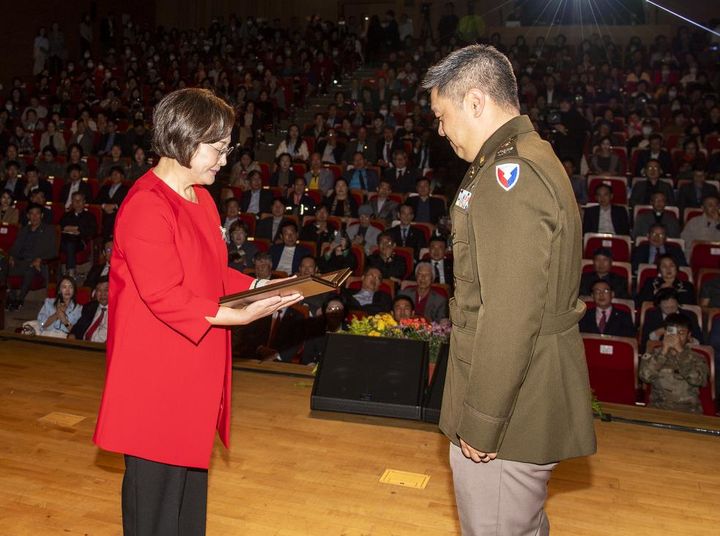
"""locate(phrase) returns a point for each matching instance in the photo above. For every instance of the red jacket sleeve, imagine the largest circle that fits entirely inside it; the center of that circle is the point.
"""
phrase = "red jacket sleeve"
(146, 240)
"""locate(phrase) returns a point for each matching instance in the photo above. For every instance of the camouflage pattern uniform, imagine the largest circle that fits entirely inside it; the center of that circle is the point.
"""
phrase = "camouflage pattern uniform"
(675, 378)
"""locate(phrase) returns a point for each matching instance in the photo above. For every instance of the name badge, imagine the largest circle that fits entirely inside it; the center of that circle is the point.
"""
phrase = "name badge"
(463, 200)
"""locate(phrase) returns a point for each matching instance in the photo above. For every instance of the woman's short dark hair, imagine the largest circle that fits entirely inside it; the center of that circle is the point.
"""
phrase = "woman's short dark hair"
(186, 118)
(237, 224)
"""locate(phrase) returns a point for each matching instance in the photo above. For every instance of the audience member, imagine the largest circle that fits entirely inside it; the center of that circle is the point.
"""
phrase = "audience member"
(74, 184)
(703, 227)
(298, 203)
(284, 174)
(384, 208)
(58, 315)
(390, 265)
(658, 214)
(286, 256)
(33, 182)
(93, 322)
(340, 203)
(240, 251)
(605, 161)
(269, 228)
(8, 213)
(263, 265)
(427, 209)
(666, 303)
(110, 197)
(362, 232)
(405, 235)
(605, 319)
(657, 244)
(360, 177)
(667, 277)
(602, 270)
(428, 302)
(12, 181)
(402, 178)
(403, 307)
(293, 145)
(78, 227)
(369, 298)
(100, 270)
(691, 194)
(442, 265)
(256, 200)
(319, 230)
(606, 217)
(319, 177)
(643, 190)
(675, 373)
(655, 152)
(34, 246)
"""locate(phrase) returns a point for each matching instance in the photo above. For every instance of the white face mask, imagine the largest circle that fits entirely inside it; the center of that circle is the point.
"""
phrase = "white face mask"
(422, 102)
(672, 94)
(395, 102)
(383, 112)
(646, 131)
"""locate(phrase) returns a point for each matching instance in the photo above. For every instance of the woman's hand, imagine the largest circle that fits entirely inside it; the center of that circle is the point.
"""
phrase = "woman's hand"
(227, 316)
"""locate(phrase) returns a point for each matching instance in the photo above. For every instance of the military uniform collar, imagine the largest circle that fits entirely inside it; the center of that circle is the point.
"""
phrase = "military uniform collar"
(517, 125)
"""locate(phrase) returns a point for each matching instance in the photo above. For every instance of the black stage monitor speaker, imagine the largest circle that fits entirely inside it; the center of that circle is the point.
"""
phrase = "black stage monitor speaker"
(434, 393)
(371, 376)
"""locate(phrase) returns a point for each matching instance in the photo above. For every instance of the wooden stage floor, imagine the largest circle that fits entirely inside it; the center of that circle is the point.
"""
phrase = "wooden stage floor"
(292, 472)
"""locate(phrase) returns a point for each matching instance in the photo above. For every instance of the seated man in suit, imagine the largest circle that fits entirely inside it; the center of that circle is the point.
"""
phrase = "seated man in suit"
(691, 194)
(429, 303)
(330, 149)
(256, 200)
(402, 178)
(653, 152)
(262, 265)
(666, 303)
(110, 197)
(92, 325)
(643, 190)
(382, 206)
(74, 184)
(657, 215)
(602, 264)
(703, 227)
(604, 318)
(319, 177)
(657, 245)
(386, 148)
(78, 227)
(34, 246)
(427, 209)
(37, 197)
(269, 228)
(363, 145)
(13, 182)
(369, 299)
(390, 265)
(404, 234)
(33, 182)
(99, 271)
(297, 202)
(441, 265)
(361, 232)
(359, 177)
(286, 256)
(606, 217)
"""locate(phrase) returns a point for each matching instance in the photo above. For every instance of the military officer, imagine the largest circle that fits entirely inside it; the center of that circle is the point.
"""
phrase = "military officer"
(517, 397)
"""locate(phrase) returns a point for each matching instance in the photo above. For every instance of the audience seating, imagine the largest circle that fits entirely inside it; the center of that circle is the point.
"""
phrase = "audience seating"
(613, 368)
(8, 234)
(387, 285)
(618, 244)
(639, 209)
(704, 254)
(617, 184)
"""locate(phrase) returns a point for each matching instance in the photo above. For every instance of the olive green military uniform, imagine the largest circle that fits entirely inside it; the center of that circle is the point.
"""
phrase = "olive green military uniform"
(517, 380)
(676, 378)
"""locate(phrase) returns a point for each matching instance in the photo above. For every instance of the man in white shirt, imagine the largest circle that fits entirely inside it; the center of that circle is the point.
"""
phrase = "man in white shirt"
(703, 227)
(286, 256)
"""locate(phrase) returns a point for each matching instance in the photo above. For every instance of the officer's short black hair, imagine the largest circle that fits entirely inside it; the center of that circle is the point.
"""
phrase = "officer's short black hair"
(475, 66)
(600, 282)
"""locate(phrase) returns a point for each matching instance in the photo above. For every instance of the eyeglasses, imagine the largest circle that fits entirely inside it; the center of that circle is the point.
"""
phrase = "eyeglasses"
(226, 151)
(602, 291)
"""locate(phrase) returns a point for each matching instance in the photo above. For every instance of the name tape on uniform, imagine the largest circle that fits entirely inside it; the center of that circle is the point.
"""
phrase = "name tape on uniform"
(463, 200)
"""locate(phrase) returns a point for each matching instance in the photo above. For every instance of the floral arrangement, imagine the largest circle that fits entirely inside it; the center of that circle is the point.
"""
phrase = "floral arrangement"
(384, 325)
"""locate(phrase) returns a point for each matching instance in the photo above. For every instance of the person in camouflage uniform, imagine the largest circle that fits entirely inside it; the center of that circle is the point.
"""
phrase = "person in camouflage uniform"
(674, 371)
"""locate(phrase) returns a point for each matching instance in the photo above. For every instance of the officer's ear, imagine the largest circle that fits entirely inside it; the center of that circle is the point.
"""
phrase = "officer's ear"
(475, 102)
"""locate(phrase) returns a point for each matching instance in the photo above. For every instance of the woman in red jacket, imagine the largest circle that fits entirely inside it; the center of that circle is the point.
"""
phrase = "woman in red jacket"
(168, 375)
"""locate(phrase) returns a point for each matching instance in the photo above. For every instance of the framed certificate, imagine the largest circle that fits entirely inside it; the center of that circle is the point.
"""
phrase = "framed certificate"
(307, 285)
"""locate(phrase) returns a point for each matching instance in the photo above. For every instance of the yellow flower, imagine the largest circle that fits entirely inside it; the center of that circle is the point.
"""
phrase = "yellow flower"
(374, 333)
(381, 325)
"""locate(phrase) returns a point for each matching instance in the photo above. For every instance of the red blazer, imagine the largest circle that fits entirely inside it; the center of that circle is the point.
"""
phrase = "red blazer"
(167, 385)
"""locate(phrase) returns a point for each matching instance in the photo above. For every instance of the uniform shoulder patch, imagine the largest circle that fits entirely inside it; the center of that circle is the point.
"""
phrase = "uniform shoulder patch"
(507, 175)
